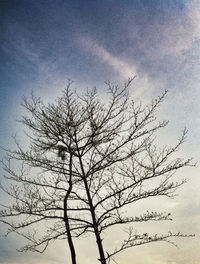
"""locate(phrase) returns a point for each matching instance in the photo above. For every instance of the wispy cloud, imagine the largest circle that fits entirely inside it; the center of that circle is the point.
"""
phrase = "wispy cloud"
(180, 34)
(119, 65)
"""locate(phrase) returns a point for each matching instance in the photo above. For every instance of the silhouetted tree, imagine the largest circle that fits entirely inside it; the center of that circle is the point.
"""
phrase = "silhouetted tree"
(86, 162)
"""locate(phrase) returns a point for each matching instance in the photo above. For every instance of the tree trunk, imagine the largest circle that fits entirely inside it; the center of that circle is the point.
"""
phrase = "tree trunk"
(69, 238)
(102, 258)
(66, 220)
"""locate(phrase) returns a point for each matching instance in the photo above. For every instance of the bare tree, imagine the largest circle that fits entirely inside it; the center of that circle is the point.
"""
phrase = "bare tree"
(86, 162)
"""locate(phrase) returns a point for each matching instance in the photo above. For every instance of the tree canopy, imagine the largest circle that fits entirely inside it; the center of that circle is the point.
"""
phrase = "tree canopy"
(87, 160)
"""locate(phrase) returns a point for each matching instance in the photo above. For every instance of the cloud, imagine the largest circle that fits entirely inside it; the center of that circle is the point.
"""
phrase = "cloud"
(118, 65)
(194, 16)
(181, 32)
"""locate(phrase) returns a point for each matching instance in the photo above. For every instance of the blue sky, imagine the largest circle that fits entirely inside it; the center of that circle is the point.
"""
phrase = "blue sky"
(43, 43)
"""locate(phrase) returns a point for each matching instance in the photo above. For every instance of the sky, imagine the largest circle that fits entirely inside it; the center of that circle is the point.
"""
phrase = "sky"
(44, 43)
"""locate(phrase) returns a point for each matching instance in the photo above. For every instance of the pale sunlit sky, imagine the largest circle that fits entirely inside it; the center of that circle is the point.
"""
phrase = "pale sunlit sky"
(43, 43)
